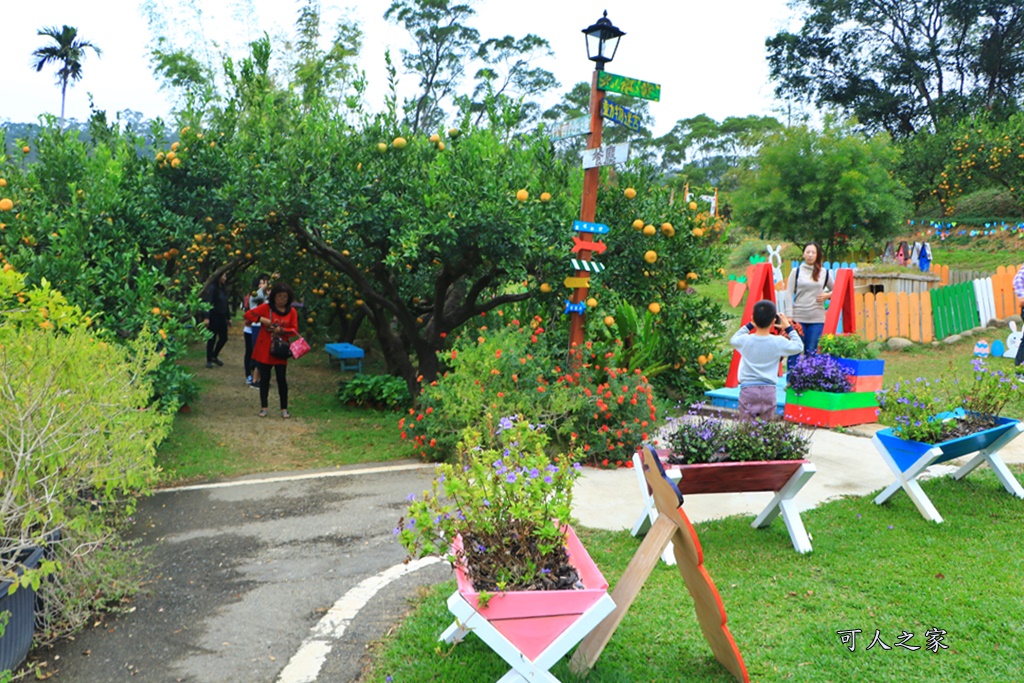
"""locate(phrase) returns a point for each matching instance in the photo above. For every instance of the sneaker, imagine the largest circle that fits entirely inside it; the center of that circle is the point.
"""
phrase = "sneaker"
(218, 362)
(248, 381)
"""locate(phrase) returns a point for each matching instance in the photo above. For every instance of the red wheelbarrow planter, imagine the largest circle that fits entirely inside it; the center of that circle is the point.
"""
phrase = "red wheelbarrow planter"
(827, 409)
(532, 630)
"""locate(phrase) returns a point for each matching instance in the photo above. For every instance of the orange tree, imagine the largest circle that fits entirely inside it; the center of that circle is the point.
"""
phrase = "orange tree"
(987, 153)
(85, 218)
(418, 235)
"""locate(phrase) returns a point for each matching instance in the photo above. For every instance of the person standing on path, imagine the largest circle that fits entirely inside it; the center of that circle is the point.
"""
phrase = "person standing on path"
(278, 319)
(216, 319)
(258, 296)
(808, 288)
(1018, 289)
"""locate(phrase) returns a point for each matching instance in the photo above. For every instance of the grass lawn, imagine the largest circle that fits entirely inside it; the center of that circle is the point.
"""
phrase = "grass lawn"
(873, 568)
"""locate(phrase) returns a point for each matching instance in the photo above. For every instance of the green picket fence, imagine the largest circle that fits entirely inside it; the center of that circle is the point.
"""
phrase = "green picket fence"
(954, 309)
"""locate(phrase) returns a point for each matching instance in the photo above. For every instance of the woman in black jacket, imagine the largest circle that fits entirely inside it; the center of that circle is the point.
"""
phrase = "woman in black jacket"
(216, 319)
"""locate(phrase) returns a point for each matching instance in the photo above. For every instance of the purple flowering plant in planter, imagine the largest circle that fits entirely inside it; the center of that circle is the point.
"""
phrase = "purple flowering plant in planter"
(701, 438)
(508, 500)
(818, 372)
(911, 407)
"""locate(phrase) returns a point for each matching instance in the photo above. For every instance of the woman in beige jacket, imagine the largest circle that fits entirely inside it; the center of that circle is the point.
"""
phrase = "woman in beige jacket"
(809, 288)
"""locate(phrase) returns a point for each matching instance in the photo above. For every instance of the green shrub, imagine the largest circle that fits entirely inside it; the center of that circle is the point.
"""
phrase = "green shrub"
(78, 432)
(845, 346)
(520, 369)
(375, 391)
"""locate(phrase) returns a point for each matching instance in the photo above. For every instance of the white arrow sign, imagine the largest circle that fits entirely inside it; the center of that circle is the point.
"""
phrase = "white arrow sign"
(606, 156)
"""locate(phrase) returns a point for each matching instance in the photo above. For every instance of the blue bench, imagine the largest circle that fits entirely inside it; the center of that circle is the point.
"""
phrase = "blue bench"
(350, 356)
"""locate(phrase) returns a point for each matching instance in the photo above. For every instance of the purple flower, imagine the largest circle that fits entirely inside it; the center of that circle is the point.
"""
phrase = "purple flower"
(511, 478)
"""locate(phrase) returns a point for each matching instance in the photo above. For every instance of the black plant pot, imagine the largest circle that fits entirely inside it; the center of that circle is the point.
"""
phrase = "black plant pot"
(17, 638)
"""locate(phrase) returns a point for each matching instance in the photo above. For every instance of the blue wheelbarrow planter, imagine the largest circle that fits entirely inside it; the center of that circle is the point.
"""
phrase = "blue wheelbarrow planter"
(908, 459)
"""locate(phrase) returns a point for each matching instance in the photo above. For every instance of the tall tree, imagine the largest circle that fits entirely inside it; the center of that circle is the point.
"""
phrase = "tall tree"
(903, 65)
(833, 187)
(444, 44)
(68, 54)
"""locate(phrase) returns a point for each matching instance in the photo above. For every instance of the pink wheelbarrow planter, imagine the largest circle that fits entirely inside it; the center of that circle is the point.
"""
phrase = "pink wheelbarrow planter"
(532, 630)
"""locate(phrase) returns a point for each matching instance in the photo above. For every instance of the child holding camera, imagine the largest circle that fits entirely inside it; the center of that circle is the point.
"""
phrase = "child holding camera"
(760, 355)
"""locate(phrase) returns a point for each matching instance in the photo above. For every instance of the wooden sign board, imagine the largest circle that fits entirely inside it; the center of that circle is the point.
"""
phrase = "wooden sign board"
(577, 282)
(613, 111)
(628, 86)
(570, 128)
(606, 156)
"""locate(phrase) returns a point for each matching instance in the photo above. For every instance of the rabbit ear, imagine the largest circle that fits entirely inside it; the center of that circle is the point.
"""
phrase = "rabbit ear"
(1013, 326)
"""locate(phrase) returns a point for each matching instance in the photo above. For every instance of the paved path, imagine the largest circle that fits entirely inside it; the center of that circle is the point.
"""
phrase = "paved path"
(260, 580)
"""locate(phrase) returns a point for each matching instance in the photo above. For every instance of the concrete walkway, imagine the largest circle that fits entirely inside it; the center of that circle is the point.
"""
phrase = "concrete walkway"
(848, 465)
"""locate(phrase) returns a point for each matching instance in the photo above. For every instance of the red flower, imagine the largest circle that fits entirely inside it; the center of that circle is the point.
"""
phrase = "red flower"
(429, 410)
(540, 390)
(497, 354)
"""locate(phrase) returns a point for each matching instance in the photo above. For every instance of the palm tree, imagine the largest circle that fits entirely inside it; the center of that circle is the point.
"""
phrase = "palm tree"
(68, 53)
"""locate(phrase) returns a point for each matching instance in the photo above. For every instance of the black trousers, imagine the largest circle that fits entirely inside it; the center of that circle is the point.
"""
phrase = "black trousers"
(219, 327)
(281, 374)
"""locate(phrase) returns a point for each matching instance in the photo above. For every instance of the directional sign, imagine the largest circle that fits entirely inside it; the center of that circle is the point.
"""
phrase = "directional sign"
(596, 228)
(589, 266)
(628, 86)
(579, 245)
(570, 128)
(570, 307)
(614, 111)
(577, 282)
(606, 156)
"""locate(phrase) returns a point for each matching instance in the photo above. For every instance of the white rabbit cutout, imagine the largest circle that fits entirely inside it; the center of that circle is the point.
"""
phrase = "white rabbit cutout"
(1013, 341)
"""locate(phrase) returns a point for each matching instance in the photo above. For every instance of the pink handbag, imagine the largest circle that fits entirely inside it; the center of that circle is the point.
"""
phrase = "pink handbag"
(299, 348)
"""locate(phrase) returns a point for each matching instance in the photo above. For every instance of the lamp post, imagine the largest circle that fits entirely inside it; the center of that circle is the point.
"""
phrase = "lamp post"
(602, 42)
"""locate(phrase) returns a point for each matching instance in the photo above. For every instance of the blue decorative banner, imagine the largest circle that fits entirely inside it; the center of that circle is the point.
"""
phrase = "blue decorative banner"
(596, 228)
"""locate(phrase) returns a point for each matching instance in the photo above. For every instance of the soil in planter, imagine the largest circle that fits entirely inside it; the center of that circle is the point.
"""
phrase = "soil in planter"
(966, 426)
(491, 559)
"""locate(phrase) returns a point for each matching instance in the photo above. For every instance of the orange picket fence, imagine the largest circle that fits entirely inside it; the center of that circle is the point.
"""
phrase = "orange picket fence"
(910, 315)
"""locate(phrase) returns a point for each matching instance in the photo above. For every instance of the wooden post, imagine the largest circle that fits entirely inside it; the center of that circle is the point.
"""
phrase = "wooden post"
(588, 209)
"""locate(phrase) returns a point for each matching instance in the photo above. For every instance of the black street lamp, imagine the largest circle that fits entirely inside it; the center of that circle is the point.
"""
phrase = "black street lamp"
(602, 41)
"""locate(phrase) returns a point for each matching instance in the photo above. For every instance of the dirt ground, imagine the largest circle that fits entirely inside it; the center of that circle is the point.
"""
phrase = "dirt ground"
(227, 407)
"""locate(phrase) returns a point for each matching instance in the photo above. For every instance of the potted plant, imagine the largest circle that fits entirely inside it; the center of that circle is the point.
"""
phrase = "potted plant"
(709, 454)
(499, 514)
(933, 421)
(863, 368)
(819, 393)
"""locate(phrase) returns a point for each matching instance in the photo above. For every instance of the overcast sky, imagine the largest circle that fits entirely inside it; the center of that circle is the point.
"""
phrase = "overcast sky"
(708, 57)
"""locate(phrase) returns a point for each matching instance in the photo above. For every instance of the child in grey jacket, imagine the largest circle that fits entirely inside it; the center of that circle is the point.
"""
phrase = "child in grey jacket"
(760, 355)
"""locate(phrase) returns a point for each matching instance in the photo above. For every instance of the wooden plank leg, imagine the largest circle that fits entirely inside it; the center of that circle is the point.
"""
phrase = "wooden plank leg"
(784, 502)
(1005, 476)
(649, 513)
(625, 592)
(921, 501)
(522, 668)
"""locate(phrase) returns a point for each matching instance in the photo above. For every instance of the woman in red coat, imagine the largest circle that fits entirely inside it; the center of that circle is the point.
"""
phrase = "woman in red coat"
(279, 319)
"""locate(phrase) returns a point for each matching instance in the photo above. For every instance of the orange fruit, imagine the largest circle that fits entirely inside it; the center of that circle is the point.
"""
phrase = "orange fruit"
(175, 146)
(681, 284)
(454, 133)
(609, 321)
(629, 192)
(721, 271)
(213, 143)
(697, 232)
(591, 302)
(693, 206)
(654, 307)
(522, 195)
(344, 252)
(3, 182)
(440, 147)
(702, 359)
(155, 310)
(545, 196)
(399, 143)
(651, 256)
(649, 230)
(170, 155)
(667, 228)
(159, 156)
(691, 276)
(435, 138)
(6, 204)
(638, 224)
(381, 147)
(26, 149)
(175, 163)
(545, 287)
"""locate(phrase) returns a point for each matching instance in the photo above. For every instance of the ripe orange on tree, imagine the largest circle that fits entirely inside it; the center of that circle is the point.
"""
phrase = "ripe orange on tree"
(667, 230)
(692, 206)
(522, 195)
(6, 204)
(649, 230)
(399, 143)
(609, 321)
(545, 287)
(638, 224)
(654, 307)
(545, 196)
(629, 192)
(651, 256)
